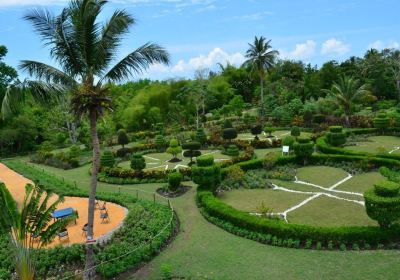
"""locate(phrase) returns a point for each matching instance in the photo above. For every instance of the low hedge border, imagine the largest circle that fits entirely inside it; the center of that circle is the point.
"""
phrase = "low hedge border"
(160, 223)
(285, 234)
(323, 147)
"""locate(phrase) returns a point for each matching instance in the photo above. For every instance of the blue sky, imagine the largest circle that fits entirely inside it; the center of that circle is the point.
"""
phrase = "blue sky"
(201, 33)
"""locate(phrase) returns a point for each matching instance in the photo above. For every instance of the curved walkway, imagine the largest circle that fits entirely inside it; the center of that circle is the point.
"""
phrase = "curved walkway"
(16, 183)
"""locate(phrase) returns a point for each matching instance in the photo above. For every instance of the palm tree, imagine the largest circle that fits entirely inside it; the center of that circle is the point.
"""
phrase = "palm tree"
(85, 49)
(347, 92)
(29, 225)
(261, 58)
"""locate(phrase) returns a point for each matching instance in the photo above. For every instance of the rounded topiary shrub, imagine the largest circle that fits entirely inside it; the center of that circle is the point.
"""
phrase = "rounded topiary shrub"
(174, 149)
(383, 203)
(123, 138)
(174, 181)
(295, 131)
(303, 148)
(227, 124)
(256, 130)
(201, 136)
(288, 141)
(336, 136)
(107, 159)
(192, 150)
(381, 122)
(206, 173)
(318, 118)
(229, 133)
(232, 151)
(138, 162)
(268, 128)
(160, 143)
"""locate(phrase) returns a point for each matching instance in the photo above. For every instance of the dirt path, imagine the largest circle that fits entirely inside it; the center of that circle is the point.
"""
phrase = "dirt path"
(16, 183)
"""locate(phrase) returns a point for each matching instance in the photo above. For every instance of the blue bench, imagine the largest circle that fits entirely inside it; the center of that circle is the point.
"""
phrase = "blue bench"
(63, 213)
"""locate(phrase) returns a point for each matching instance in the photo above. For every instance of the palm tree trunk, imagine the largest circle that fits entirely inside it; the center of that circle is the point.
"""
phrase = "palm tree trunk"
(262, 113)
(89, 270)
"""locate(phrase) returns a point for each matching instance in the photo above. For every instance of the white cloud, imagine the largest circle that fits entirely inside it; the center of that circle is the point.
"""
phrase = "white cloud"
(301, 51)
(380, 45)
(252, 17)
(185, 68)
(334, 47)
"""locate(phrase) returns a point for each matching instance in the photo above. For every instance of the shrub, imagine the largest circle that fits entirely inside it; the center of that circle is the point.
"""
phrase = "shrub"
(318, 118)
(295, 131)
(160, 143)
(122, 152)
(74, 151)
(206, 173)
(383, 203)
(174, 181)
(232, 151)
(227, 124)
(192, 150)
(122, 137)
(303, 149)
(382, 122)
(268, 128)
(336, 136)
(174, 149)
(138, 162)
(107, 159)
(201, 136)
(288, 141)
(256, 130)
(229, 133)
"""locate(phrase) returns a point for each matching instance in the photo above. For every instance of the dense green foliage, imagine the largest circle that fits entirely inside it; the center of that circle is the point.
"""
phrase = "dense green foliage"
(303, 148)
(107, 159)
(383, 203)
(123, 138)
(206, 173)
(174, 181)
(336, 137)
(138, 162)
(192, 150)
(232, 151)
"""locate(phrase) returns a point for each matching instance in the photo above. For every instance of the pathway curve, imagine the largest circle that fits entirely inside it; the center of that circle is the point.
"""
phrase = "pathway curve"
(16, 183)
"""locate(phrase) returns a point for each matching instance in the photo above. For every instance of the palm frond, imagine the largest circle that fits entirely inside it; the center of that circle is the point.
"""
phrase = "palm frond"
(137, 61)
(111, 37)
(45, 72)
(44, 24)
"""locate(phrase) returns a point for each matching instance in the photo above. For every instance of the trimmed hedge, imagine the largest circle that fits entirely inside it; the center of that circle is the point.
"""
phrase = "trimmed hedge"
(367, 236)
(347, 235)
(324, 147)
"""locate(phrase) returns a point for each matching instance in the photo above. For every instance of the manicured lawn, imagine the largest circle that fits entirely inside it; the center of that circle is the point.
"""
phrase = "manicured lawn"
(160, 161)
(249, 200)
(389, 143)
(324, 211)
(278, 133)
(260, 153)
(204, 249)
(324, 176)
(361, 182)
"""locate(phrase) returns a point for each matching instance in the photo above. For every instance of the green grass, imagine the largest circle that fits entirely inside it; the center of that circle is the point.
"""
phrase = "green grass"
(325, 211)
(376, 142)
(249, 200)
(202, 248)
(324, 176)
(361, 182)
(260, 153)
(159, 161)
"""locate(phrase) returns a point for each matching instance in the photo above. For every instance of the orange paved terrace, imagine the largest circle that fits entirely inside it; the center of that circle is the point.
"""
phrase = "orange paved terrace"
(16, 185)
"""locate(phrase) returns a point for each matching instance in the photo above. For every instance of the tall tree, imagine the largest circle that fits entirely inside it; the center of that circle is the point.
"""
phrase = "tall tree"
(85, 49)
(348, 92)
(261, 57)
(8, 75)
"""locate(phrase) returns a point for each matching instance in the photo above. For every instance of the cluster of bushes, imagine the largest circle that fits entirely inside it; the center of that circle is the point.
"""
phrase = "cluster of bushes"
(64, 160)
(336, 137)
(144, 221)
(117, 175)
(147, 147)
